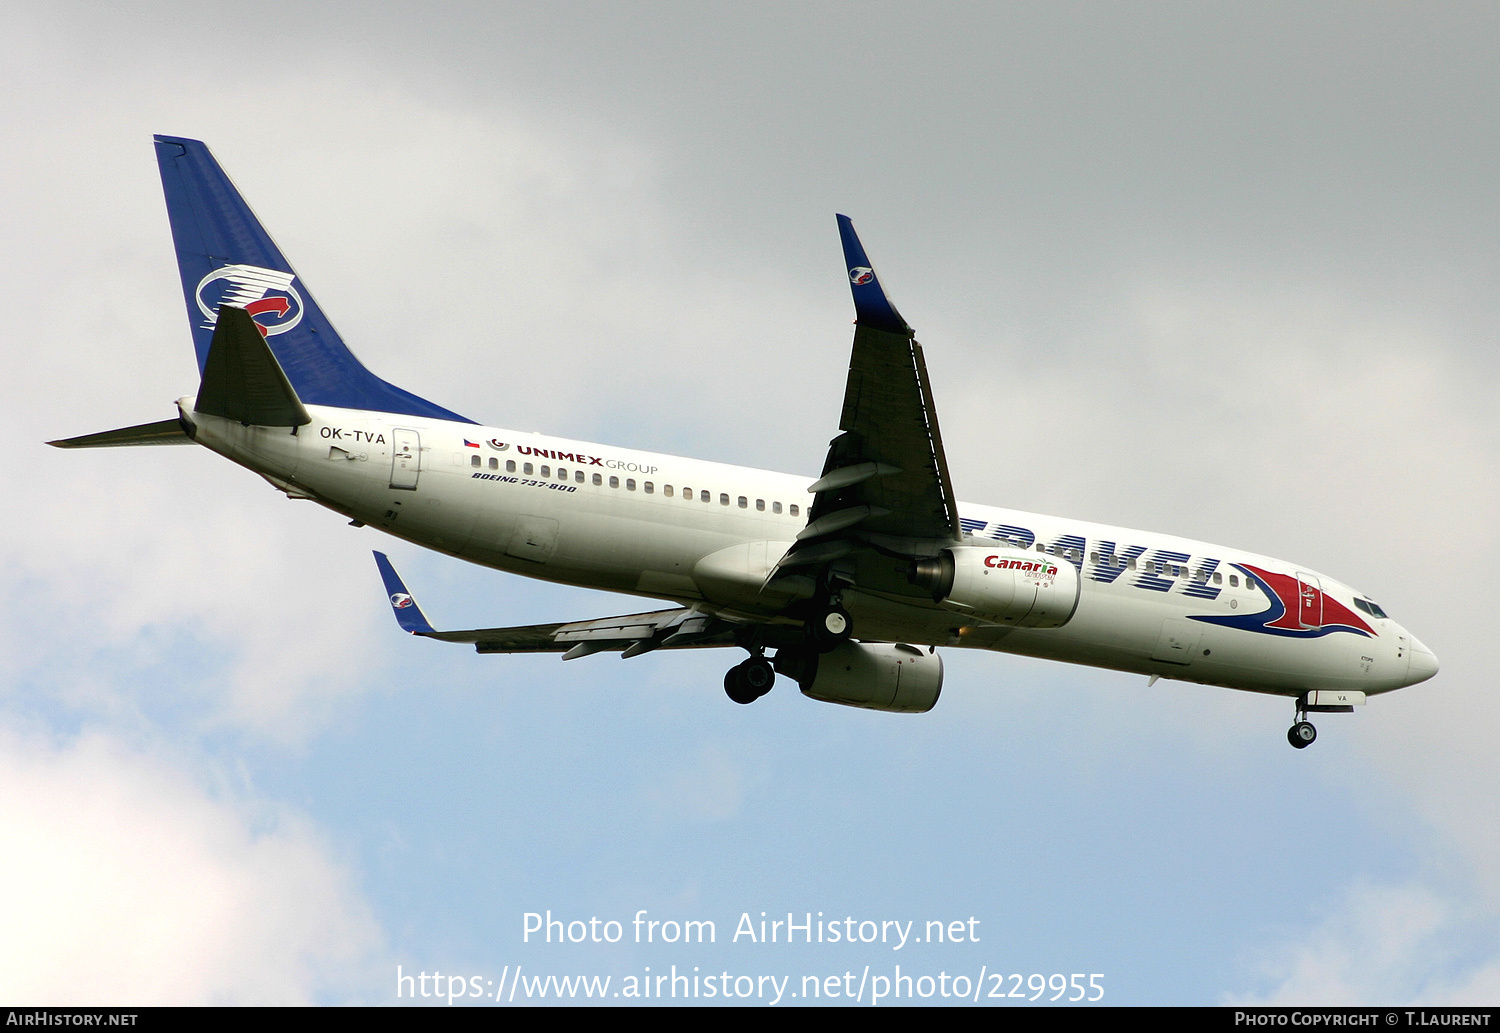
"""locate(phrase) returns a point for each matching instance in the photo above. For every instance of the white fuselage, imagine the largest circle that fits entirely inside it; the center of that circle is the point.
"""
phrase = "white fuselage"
(707, 534)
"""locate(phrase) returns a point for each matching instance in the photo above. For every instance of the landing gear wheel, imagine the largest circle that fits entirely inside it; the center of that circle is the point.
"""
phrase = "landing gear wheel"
(1301, 735)
(830, 628)
(758, 674)
(747, 682)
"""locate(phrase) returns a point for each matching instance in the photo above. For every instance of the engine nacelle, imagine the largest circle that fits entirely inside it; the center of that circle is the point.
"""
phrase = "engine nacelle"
(898, 678)
(1002, 585)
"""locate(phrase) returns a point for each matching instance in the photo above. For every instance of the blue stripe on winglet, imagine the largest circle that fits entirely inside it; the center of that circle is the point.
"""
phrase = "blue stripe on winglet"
(408, 613)
(872, 308)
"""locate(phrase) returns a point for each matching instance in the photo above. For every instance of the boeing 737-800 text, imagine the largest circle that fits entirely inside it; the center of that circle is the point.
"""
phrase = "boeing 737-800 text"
(846, 584)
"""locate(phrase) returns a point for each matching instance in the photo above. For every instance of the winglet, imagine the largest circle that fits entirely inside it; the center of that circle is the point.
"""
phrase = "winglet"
(408, 613)
(872, 308)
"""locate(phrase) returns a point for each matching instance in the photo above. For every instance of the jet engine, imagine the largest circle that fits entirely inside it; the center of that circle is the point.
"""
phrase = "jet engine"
(898, 678)
(1002, 585)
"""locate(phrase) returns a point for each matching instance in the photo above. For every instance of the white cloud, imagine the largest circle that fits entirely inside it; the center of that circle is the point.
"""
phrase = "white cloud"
(122, 881)
(1386, 945)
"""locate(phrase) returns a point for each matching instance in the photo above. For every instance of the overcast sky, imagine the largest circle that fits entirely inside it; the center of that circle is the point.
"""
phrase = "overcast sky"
(1222, 270)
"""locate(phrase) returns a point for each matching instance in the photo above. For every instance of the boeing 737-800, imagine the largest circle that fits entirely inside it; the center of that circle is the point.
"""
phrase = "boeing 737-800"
(846, 583)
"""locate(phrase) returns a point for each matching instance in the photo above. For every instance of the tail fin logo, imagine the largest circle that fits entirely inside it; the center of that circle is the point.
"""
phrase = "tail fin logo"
(400, 600)
(268, 295)
(861, 275)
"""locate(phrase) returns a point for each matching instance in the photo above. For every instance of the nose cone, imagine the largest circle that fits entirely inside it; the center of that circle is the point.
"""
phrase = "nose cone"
(1423, 663)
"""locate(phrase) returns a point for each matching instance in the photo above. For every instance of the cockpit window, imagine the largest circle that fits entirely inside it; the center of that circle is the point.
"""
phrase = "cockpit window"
(1372, 608)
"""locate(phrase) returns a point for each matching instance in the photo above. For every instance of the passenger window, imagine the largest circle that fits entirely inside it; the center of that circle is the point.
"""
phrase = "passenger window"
(775, 507)
(578, 476)
(1132, 564)
(760, 505)
(494, 463)
(666, 489)
(630, 484)
(650, 488)
(526, 469)
(614, 482)
(598, 480)
(546, 471)
(1234, 581)
(723, 499)
(473, 460)
(562, 474)
(510, 466)
(794, 509)
(1093, 557)
(705, 496)
(744, 502)
(1218, 579)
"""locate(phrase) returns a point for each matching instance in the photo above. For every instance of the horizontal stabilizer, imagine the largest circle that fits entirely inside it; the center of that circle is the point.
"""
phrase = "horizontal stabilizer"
(167, 432)
(242, 380)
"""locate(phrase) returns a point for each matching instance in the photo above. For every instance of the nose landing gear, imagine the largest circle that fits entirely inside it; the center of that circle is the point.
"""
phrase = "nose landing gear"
(1302, 734)
(1320, 701)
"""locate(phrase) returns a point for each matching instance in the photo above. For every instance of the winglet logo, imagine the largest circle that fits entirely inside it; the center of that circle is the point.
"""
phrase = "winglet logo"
(861, 275)
(260, 292)
(400, 600)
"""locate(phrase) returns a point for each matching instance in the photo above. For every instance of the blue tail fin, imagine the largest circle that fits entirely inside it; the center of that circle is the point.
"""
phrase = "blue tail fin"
(226, 257)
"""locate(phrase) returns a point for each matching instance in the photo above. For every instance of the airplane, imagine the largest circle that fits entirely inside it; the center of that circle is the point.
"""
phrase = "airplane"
(845, 583)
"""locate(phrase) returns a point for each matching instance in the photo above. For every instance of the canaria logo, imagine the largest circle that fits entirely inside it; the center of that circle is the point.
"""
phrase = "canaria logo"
(268, 295)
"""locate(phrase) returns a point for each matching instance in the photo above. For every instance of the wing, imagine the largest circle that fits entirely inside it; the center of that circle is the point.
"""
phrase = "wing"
(631, 635)
(885, 485)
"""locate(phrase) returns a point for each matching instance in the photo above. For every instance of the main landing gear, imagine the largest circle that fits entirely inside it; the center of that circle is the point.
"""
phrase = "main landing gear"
(749, 681)
(829, 627)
